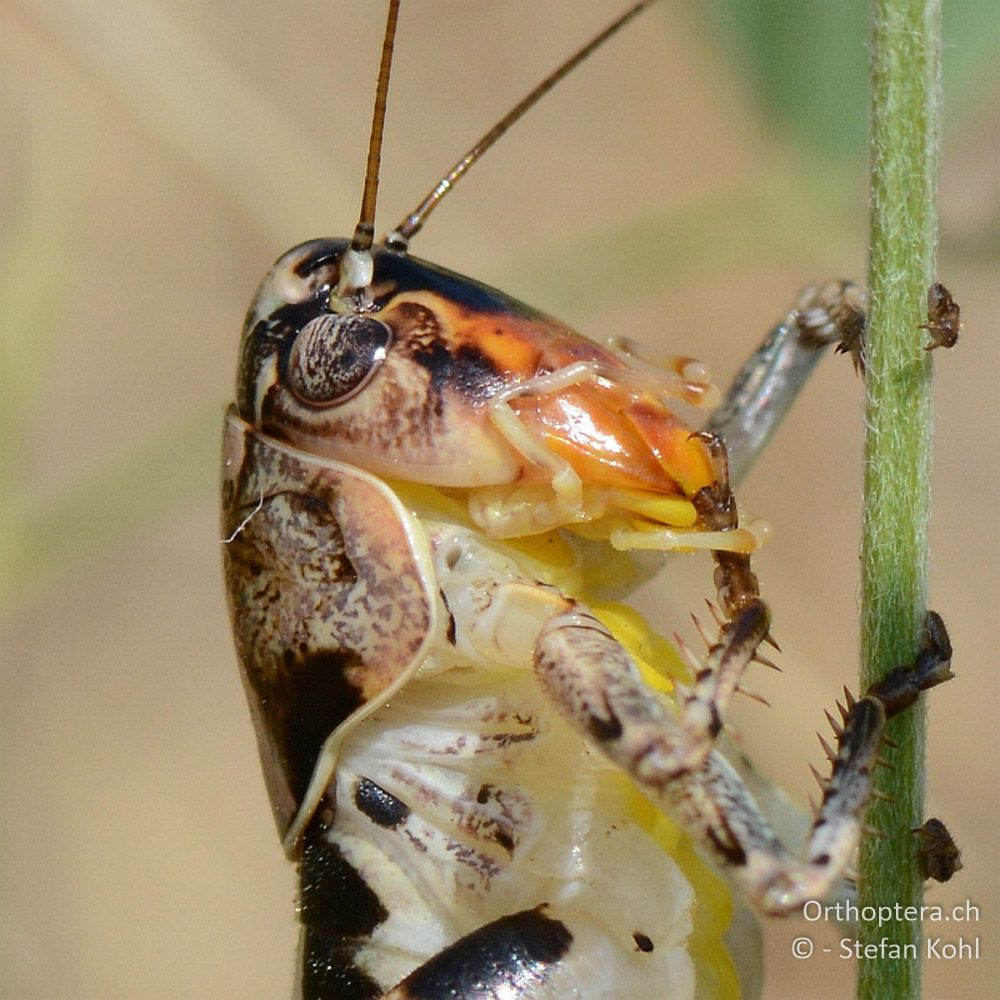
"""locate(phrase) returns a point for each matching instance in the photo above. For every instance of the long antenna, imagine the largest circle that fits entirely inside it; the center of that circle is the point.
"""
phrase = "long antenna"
(364, 232)
(357, 268)
(399, 238)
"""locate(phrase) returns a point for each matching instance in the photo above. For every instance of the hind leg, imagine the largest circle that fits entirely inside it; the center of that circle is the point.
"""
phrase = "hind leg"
(594, 684)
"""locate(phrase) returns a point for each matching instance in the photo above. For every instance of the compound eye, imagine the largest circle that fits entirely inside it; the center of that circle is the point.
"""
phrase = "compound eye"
(333, 357)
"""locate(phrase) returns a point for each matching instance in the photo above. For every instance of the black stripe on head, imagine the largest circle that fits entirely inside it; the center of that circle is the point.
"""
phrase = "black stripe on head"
(467, 370)
(272, 335)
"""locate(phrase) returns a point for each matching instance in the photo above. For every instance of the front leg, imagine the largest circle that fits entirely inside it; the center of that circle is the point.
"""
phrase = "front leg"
(834, 312)
(593, 681)
(764, 389)
(594, 684)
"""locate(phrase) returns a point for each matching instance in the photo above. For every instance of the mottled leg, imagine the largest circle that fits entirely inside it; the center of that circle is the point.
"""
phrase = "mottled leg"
(834, 313)
(594, 684)
(735, 582)
(767, 385)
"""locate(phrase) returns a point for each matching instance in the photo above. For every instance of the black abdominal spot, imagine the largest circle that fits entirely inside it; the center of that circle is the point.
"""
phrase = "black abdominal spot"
(329, 970)
(508, 955)
(333, 896)
(378, 805)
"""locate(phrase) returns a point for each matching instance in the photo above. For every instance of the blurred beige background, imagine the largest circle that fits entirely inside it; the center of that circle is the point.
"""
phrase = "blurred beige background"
(156, 157)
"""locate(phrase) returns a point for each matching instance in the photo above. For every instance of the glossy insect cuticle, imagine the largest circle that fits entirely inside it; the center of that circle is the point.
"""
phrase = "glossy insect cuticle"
(334, 357)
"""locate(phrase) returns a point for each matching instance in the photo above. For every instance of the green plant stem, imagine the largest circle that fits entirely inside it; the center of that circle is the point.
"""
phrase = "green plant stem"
(905, 44)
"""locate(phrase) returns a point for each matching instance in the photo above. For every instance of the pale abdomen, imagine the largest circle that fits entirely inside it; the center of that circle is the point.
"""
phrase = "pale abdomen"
(468, 799)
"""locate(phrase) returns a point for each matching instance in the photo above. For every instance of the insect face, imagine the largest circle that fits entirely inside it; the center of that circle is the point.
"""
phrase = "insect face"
(428, 377)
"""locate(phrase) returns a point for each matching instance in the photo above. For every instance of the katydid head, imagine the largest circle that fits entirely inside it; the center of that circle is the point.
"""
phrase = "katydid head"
(362, 354)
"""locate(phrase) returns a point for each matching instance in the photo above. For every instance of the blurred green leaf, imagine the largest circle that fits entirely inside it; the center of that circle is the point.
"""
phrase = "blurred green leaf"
(808, 62)
(809, 65)
(970, 34)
